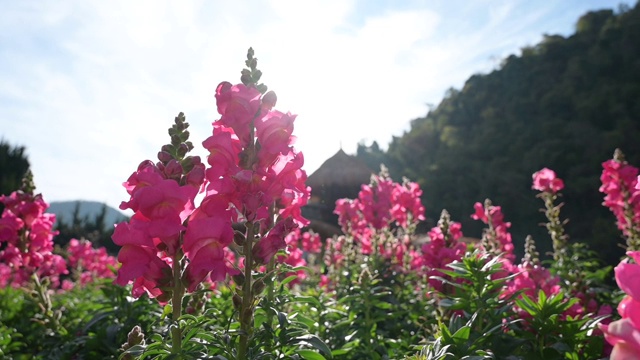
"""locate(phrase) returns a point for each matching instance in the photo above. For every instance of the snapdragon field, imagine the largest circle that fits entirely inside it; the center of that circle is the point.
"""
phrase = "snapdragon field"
(236, 275)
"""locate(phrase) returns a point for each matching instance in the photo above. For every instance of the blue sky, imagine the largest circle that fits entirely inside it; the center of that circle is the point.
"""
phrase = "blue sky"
(91, 87)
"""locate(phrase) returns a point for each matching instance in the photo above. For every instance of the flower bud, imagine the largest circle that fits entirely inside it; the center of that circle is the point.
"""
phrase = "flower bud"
(164, 156)
(168, 148)
(238, 279)
(246, 79)
(258, 287)
(183, 149)
(238, 238)
(173, 169)
(195, 177)
(269, 100)
(135, 336)
(237, 302)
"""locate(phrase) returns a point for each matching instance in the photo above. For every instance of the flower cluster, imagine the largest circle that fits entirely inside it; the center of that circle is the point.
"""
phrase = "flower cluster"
(89, 263)
(619, 181)
(443, 248)
(379, 205)
(624, 334)
(162, 198)
(496, 239)
(255, 177)
(300, 246)
(26, 239)
(545, 180)
(255, 174)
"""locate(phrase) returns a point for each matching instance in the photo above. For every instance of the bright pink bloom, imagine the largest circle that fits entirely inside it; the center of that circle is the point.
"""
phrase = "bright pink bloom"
(497, 234)
(624, 334)
(90, 263)
(26, 239)
(311, 242)
(238, 105)
(274, 132)
(620, 186)
(441, 250)
(545, 180)
(204, 243)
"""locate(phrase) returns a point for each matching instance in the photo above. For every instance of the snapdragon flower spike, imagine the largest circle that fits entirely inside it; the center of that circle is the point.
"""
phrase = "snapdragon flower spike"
(496, 238)
(619, 184)
(254, 167)
(26, 231)
(381, 203)
(162, 197)
(442, 249)
(624, 334)
(549, 186)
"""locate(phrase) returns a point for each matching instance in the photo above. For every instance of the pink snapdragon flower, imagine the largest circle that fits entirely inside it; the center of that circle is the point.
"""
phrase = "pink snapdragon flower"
(545, 180)
(442, 249)
(254, 176)
(26, 235)
(90, 263)
(380, 204)
(622, 196)
(624, 334)
(496, 238)
(162, 198)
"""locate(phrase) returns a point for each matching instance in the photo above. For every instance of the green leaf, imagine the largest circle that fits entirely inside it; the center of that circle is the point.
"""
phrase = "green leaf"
(308, 300)
(288, 279)
(462, 334)
(316, 343)
(310, 355)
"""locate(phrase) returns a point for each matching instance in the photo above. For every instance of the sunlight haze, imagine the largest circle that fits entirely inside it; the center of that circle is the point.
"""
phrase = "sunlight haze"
(91, 87)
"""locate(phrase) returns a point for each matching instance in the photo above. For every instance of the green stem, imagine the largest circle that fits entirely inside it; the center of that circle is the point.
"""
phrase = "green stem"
(246, 311)
(47, 306)
(176, 302)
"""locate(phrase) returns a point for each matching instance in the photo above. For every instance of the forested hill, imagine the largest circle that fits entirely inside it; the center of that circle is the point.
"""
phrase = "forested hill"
(566, 104)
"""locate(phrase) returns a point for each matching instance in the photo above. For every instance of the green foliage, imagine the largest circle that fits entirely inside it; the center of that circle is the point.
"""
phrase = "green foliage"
(482, 324)
(97, 318)
(477, 313)
(550, 335)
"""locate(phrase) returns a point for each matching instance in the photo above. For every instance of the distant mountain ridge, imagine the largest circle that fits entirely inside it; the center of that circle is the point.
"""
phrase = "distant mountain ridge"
(88, 209)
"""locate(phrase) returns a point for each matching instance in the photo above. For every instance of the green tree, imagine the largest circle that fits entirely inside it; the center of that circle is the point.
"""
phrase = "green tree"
(565, 103)
(13, 166)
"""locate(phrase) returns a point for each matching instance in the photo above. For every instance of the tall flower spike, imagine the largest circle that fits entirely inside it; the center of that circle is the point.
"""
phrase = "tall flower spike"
(162, 198)
(531, 255)
(619, 181)
(549, 186)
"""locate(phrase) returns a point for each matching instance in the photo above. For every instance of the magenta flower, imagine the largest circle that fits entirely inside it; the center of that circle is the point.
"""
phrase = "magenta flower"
(90, 263)
(496, 238)
(238, 105)
(254, 174)
(26, 240)
(274, 132)
(622, 197)
(545, 180)
(204, 243)
(624, 334)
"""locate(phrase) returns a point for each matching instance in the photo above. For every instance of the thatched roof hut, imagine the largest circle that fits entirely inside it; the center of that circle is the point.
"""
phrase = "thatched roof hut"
(339, 176)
